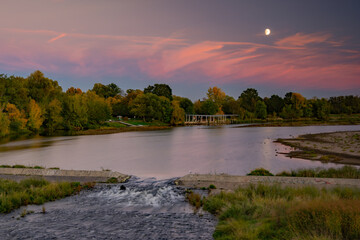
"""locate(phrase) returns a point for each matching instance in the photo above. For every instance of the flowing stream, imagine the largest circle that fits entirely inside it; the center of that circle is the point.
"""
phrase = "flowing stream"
(146, 209)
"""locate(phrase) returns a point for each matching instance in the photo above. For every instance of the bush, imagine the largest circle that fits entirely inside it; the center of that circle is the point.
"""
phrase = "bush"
(260, 172)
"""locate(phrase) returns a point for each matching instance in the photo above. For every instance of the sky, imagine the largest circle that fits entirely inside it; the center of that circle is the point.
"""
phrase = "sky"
(191, 45)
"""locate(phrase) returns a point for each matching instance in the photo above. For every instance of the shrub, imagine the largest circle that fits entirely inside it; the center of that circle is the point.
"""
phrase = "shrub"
(260, 172)
(212, 186)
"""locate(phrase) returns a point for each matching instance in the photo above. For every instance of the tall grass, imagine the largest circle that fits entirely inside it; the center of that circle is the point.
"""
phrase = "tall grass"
(275, 212)
(343, 172)
(34, 191)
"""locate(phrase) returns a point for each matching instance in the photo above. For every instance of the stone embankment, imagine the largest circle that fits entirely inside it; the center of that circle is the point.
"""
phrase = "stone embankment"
(56, 175)
(228, 182)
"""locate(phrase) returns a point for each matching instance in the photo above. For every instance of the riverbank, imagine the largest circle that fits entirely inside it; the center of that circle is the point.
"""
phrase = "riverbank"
(57, 175)
(111, 130)
(230, 182)
(336, 147)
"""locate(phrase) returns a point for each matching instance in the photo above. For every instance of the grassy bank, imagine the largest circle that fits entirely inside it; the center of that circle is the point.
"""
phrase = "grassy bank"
(275, 212)
(343, 172)
(34, 191)
(334, 119)
(110, 130)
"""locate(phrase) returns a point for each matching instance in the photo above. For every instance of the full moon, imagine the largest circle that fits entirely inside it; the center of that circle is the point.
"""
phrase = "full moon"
(267, 32)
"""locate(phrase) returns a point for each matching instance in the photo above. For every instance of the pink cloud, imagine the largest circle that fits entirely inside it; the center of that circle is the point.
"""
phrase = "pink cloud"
(57, 37)
(305, 60)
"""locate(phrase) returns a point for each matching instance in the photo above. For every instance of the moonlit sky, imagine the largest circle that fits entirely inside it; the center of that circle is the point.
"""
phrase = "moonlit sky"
(314, 46)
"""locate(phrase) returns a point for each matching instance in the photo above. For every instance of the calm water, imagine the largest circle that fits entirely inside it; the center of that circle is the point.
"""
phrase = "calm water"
(167, 153)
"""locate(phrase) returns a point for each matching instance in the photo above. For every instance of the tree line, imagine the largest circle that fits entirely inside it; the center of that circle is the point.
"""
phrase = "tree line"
(38, 104)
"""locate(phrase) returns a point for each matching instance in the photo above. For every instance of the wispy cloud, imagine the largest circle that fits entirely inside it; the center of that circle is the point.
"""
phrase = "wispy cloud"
(57, 37)
(305, 60)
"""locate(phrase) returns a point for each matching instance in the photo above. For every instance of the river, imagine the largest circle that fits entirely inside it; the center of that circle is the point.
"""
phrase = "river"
(168, 153)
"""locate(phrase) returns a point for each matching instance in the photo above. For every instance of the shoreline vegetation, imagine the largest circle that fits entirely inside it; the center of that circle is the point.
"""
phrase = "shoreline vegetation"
(37, 105)
(335, 147)
(14, 194)
(279, 211)
(276, 212)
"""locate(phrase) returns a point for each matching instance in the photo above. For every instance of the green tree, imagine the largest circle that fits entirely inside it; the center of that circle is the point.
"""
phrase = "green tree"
(53, 118)
(229, 105)
(209, 107)
(106, 91)
(150, 106)
(97, 108)
(274, 104)
(35, 119)
(160, 90)
(249, 99)
(4, 124)
(42, 89)
(322, 109)
(261, 110)
(187, 105)
(74, 112)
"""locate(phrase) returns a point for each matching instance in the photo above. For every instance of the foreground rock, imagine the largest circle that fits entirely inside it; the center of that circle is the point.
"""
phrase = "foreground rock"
(228, 182)
(56, 175)
(338, 147)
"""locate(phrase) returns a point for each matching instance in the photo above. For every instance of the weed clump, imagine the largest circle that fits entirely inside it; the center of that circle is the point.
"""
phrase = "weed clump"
(112, 180)
(194, 199)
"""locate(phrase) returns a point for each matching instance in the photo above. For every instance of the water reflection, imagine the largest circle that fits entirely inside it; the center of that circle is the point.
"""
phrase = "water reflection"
(168, 153)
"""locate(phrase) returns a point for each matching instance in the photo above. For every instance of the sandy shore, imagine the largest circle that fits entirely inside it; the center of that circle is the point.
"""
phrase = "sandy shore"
(337, 147)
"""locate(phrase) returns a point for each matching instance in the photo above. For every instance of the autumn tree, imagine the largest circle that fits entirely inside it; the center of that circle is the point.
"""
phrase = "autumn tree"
(73, 91)
(178, 114)
(17, 118)
(217, 96)
(35, 119)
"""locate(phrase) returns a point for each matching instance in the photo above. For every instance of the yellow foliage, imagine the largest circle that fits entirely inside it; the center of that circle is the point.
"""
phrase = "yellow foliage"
(35, 116)
(17, 119)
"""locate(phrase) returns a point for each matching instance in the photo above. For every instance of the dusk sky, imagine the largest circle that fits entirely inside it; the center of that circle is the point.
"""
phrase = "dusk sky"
(313, 48)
